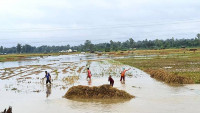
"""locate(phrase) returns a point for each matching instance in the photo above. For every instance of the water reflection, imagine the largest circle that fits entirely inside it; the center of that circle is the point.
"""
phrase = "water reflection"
(122, 82)
(123, 85)
(89, 82)
(48, 90)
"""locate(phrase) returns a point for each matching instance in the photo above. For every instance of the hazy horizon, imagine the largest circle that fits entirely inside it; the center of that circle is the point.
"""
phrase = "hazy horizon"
(63, 22)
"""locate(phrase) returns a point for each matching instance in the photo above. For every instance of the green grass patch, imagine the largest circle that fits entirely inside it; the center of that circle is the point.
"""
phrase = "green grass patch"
(174, 62)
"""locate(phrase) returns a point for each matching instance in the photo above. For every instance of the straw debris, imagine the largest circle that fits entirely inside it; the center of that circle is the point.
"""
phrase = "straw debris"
(162, 75)
(100, 92)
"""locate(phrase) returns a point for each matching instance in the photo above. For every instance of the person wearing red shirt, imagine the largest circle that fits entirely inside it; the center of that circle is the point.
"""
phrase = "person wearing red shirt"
(123, 74)
(89, 75)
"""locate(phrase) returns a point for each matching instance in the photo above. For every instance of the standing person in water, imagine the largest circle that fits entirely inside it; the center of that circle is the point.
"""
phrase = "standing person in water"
(48, 77)
(89, 75)
(123, 74)
(110, 79)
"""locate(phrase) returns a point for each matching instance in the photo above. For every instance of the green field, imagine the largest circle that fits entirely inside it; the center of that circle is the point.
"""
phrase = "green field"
(175, 62)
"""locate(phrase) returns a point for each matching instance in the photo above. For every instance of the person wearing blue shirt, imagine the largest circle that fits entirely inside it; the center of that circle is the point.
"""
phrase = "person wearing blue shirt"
(48, 77)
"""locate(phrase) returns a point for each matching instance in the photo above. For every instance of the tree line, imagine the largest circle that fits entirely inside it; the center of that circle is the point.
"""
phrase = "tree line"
(107, 47)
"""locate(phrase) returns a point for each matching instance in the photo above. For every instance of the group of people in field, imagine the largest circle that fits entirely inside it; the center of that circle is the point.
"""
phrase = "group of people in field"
(110, 79)
(89, 75)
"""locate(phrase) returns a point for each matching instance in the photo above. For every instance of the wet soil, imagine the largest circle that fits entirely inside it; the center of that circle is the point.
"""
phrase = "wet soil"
(22, 87)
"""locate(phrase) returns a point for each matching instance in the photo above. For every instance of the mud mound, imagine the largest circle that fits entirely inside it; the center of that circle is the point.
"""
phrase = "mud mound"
(168, 77)
(101, 92)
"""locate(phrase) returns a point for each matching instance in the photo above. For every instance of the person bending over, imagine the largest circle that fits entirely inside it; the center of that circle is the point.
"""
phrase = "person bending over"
(110, 79)
(48, 77)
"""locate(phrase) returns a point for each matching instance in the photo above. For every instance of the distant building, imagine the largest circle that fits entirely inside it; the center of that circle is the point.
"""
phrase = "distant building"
(3, 53)
(66, 51)
(69, 51)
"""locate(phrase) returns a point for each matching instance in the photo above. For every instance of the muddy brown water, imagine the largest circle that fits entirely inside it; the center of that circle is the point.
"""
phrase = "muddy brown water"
(22, 88)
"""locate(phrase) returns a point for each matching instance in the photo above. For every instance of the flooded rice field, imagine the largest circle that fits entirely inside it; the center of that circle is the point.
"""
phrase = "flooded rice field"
(22, 86)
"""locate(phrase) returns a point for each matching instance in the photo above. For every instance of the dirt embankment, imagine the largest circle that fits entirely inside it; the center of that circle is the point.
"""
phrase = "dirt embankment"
(162, 75)
(100, 92)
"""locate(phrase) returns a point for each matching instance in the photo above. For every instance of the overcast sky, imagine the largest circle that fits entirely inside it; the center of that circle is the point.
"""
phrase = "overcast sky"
(62, 22)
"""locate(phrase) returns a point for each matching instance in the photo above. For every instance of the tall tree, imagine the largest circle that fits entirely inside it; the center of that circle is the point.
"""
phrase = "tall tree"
(87, 45)
(68, 46)
(27, 49)
(1, 49)
(131, 41)
(107, 49)
(92, 48)
(19, 48)
(111, 45)
(198, 36)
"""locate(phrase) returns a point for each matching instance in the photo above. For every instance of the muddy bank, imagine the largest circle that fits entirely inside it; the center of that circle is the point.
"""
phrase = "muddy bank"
(100, 92)
(162, 75)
